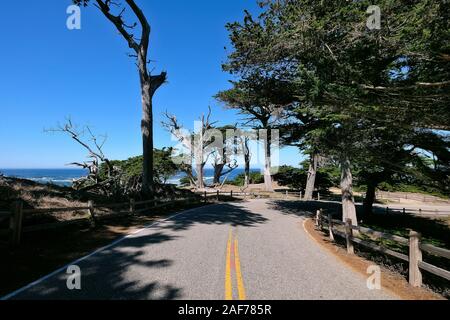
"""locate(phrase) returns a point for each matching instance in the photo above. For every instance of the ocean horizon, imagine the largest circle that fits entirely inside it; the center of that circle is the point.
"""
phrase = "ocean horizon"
(60, 176)
(66, 176)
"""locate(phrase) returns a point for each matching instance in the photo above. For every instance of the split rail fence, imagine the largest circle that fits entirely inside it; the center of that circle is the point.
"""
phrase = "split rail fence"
(17, 213)
(416, 247)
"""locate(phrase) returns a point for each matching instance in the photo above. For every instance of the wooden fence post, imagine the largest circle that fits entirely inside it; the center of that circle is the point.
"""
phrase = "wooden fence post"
(15, 223)
(218, 195)
(321, 219)
(404, 210)
(91, 212)
(349, 236)
(132, 206)
(330, 227)
(415, 256)
(317, 219)
(206, 197)
(231, 193)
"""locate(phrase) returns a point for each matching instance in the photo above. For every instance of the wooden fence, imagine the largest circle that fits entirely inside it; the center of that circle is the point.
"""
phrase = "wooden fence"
(17, 213)
(298, 195)
(419, 211)
(288, 194)
(426, 212)
(409, 196)
(416, 247)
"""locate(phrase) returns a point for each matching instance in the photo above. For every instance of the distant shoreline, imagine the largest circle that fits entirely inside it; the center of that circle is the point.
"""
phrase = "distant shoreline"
(65, 176)
(60, 177)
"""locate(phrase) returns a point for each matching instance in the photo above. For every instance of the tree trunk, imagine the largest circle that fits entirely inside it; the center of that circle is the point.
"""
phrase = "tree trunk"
(370, 198)
(267, 165)
(312, 174)
(147, 136)
(200, 176)
(218, 169)
(247, 158)
(247, 171)
(348, 201)
(149, 83)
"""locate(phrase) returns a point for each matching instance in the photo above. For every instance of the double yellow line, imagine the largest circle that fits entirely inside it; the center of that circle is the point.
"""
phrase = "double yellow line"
(237, 264)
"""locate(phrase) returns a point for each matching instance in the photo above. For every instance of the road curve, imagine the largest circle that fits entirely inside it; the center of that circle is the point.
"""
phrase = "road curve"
(250, 250)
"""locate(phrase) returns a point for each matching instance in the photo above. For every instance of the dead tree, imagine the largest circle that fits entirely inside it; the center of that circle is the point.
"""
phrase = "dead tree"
(198, 144)
(243, 139)
(224, 154)
(96, 155)
(183, 160)
(149, 83)
(223, 163)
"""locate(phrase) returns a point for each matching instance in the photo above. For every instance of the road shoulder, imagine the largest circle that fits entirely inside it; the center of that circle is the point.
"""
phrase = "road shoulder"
(390, 281)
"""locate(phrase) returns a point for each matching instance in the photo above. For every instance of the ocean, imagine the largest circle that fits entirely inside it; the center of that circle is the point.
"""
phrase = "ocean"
(65, 177)
(61, 177)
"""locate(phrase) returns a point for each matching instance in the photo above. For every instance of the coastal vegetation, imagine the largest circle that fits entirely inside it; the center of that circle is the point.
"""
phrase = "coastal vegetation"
(366, 108)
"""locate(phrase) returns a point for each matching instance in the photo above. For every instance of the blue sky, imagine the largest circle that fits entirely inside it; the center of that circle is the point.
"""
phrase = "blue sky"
(49, 72)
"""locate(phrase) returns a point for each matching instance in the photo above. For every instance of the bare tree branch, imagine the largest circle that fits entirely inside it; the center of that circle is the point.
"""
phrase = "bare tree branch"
(118, 22)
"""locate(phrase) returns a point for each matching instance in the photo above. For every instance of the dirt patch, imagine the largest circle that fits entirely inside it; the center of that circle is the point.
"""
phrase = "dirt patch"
(390, 281)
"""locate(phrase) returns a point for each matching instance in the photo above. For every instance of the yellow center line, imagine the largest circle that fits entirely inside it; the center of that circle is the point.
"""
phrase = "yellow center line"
(240, 282)
(228, 285)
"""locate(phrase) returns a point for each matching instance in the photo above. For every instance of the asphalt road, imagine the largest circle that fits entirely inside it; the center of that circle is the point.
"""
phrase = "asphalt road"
(251, 250)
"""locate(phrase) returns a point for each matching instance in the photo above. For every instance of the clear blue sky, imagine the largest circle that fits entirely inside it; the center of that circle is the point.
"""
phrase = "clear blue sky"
(49, 72)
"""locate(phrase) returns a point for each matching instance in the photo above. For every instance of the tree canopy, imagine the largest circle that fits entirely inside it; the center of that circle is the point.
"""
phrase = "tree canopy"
(366, 98)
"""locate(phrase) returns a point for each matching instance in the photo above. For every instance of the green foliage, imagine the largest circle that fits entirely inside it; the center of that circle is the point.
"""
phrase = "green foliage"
(291, 177)
(185, 181)
(353, 94)
(296, 178)
(330, 175)
(255, 178)
(163, 166)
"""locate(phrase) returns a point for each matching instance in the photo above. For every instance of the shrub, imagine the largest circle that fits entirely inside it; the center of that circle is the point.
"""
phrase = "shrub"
(291, 177)
(255, 178)
(295, 178)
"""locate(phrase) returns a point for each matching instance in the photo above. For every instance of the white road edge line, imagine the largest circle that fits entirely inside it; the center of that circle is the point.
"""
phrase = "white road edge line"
(306, 230)
(12, 294)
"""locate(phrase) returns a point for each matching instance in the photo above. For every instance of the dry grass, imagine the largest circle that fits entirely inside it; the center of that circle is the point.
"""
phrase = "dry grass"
(42, 252)
(36, 195)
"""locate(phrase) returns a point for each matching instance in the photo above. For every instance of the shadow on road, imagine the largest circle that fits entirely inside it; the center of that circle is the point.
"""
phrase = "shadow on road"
(222, 214)
(118, 272)
(305, 208)
(107, 275)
